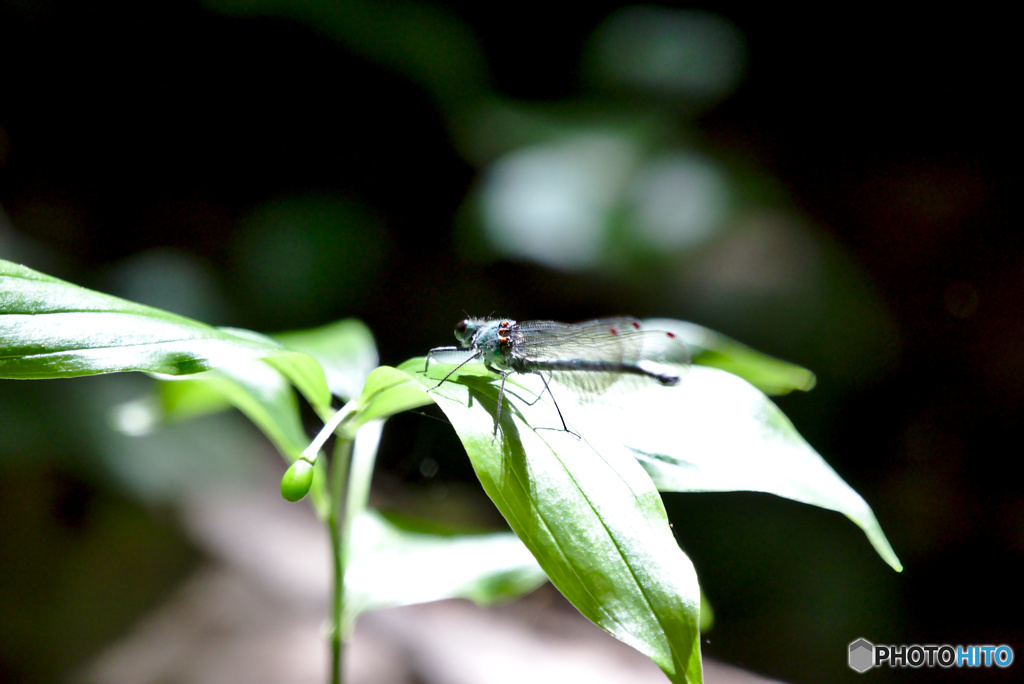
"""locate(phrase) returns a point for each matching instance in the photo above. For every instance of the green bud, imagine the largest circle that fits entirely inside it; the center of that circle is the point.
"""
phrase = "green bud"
(297, 479)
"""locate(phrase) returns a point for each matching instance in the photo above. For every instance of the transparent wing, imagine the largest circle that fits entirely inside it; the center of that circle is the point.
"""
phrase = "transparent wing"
(605, 339)
(615, 340)
(612, 341)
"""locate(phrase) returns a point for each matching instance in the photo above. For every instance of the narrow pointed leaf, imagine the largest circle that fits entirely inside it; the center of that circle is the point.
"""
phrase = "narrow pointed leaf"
(715, 432)
(710, 348)
(345, 349)
(53, 329)
(258, 391)
(394, 567)
(389, 391)
(591, 517)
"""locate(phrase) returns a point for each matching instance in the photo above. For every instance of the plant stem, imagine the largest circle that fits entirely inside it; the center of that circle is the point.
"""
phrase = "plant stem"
(338, 527)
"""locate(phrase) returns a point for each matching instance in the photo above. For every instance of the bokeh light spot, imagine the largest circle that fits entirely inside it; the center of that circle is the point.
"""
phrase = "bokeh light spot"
(550, 204)
(677, 202)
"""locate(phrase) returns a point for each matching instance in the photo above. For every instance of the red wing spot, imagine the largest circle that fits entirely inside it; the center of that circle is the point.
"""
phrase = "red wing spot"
(613, 331)
(636, 326)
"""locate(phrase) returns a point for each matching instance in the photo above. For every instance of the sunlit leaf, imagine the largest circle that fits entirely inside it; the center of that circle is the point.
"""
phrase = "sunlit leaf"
(187, 398)
(593, 521)
(590, 515)
(714, 432)
(710, 348)
(264, 397)
(260, 392)
(345, 350)
(389, 391)
(53, 329)
(393, 567)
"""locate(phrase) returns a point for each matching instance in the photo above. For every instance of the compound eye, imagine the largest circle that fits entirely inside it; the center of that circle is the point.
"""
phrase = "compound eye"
(462, 330)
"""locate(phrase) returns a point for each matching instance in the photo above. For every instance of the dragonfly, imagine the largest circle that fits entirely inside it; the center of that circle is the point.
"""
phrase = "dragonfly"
(587, 357)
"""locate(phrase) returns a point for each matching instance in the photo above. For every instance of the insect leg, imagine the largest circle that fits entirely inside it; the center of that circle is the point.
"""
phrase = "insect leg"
(435, 350)
(452, 371)
(501, 398)
(553, 401)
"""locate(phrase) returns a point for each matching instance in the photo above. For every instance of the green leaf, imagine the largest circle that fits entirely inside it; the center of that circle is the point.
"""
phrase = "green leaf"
(589, 514)
(265, 398)
(388, 391)
(255, 389)
(53, 329)
(345, 350)
(710, 348)
(581, 508)
(485, 568)
(715, 432)
(182, 399)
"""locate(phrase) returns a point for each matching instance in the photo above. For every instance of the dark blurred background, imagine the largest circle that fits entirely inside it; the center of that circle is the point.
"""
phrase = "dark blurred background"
(830, 186)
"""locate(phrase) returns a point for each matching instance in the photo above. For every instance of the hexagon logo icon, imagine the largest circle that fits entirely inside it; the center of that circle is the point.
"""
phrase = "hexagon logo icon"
(862, 655)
